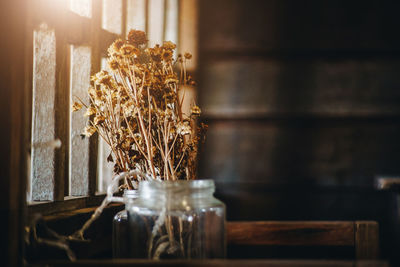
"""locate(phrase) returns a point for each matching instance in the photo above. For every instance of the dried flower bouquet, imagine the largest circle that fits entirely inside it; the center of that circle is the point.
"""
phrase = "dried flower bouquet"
(137, 109)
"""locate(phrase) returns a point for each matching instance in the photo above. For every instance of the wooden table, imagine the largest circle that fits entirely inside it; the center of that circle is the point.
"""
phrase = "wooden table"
(361, 238)
(220, 263)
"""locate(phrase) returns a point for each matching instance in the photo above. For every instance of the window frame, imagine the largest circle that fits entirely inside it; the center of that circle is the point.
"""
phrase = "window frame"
(71, 29)
(72, 33)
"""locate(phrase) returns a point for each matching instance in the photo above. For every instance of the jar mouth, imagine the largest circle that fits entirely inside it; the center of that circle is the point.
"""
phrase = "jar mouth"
(131, 193)
(176, 186)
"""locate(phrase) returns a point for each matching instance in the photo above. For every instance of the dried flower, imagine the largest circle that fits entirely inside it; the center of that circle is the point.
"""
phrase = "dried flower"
(137, 111)
(155, 53)
(169, 45)
(90, 111)
(137, 38)
(183, 128)
(166, 55)
(105, 80)
(195, 110)
(171, 79)
(89, 131)
(76, 106)
(114, 49)
(129, 50)
(187, 55)
(113, 64)
(99, 119)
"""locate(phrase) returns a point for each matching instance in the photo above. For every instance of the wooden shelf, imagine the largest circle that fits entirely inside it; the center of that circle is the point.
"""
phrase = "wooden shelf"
(220, 263)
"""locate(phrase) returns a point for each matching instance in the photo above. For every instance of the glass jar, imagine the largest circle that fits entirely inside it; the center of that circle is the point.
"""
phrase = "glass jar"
(120, 236)
(177, 220)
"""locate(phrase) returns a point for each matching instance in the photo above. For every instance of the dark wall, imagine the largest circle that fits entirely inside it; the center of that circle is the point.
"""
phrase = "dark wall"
(13, 134)
(302, 101)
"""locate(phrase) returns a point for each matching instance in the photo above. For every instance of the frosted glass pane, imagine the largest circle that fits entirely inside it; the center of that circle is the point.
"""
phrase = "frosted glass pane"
(104, 65)
(79, 147)
(136, 15)
(156, 22)
(171, 27)
(112, 16)
(188, 41)
(104, 168)
(81, 7)
(43, 121)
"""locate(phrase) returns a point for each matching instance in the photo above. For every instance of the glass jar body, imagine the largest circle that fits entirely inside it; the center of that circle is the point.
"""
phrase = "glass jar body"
(178, 220)
(120, 232)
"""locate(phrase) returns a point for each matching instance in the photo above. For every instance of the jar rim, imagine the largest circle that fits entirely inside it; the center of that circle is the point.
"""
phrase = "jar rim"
(131, 193)
(180, 184)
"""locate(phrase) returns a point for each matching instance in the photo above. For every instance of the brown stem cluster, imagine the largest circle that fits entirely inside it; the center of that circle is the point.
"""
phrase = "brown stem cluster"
(135, 107)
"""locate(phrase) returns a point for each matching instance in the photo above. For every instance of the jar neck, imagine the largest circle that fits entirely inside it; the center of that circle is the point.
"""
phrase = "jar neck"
(130, 194)
(155, 190)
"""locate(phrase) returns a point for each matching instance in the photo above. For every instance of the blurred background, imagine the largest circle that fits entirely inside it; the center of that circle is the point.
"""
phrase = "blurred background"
(302, 102)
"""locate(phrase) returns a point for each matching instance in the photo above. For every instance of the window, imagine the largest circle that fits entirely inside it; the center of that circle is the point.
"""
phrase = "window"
(69, 40)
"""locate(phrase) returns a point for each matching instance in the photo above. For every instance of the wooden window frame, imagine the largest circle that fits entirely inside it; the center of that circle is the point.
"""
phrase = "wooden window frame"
(73, 29)
(70, 29)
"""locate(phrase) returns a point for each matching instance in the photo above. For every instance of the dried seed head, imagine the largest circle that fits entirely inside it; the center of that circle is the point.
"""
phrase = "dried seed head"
(155, 53)
(90, 111)
(166, 55)
(114, 49)
(187, 55)
(137, 38)
(99, 119)
(113, 64)
(171, 79)
(195, 110)
(183, 128)
(76, 106)
(169, 45)
(89, 131)
(128, 50)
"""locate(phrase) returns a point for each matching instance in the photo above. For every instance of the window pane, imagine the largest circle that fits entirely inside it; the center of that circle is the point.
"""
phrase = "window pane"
(112, 16)
(188, 31)
(156, 22)
(79, 147)
(81, 7)
(136, 15)
(105, 169)
(171, 27)
(43, 121)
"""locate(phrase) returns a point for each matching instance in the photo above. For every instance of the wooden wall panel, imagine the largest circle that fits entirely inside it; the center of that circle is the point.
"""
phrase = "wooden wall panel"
(302, 102)
(299, 25)
(300, 152)
(257, 201)
(262, 87)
